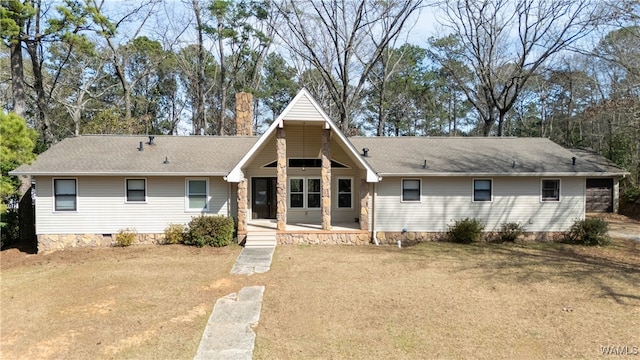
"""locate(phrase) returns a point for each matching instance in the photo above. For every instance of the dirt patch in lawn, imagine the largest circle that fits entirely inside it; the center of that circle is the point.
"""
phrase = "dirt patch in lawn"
(449, 301)
(115, 303)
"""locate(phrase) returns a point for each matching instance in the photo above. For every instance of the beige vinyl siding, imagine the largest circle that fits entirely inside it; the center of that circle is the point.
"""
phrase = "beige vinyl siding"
(303, 111)
(102, 208)
(515, 199)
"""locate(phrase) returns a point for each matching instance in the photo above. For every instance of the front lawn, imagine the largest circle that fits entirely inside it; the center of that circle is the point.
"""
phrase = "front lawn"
(433, 300)
(449, 301)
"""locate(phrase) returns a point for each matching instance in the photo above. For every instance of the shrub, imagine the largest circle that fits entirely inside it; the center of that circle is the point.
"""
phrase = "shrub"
(510, 231)
(466, 230)
(591, 231)
(174, 234)
(210, 230)
(126, 237)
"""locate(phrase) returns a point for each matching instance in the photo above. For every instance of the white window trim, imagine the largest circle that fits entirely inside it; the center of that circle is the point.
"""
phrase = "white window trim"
(146, 191)
(53, 193)
(186, 195)
(473, 191)
(338, 192)
(305, 193)
(402, 200)
(559, 190)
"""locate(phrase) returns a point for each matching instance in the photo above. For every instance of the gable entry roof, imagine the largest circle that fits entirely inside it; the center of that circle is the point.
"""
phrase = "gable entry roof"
(303, 106)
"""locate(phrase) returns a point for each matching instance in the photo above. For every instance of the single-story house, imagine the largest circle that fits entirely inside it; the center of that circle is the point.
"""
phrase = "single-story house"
(304, 181)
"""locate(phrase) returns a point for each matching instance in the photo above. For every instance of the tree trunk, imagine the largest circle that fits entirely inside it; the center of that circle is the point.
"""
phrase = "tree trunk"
(223, 73)
(41, 96)
(17, 79)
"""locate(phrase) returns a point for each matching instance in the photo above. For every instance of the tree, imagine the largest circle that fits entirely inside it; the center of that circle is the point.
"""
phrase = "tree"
(279, 85)
(237, 31)
(17, 142)
(13, 15)
(343, 40)
(505, 42)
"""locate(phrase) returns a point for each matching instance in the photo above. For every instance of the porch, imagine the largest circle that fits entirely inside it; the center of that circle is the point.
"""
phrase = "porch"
(264, 233)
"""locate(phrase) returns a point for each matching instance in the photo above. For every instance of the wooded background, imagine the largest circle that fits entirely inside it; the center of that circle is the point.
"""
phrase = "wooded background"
(568, 70)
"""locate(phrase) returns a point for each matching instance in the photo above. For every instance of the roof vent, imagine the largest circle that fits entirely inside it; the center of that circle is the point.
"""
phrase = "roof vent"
(424, 165)
(573, 160)
(513, 165)
(140, 148)
(365, 152)
(166, 160)
(151, 137)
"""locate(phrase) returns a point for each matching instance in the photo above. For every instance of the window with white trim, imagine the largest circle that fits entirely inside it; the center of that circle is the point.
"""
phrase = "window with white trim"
(550, 190)
(66, 194)
(197, 194)
(136, 190)
(482, 190)
(411, 190)
(305, 193)
(345, 194)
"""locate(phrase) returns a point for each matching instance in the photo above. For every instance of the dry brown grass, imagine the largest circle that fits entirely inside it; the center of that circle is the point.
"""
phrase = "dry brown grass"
(116, 303)
(442, 300)
(434, 300)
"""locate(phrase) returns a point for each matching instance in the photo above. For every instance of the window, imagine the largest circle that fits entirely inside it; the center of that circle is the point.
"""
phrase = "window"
(197, 194)
(304, 193)
(550, 190)
(65, 191)
(313, 193)
(136, 190)
(482, 190)
(344, 193)
(296, 193)
(410, 190)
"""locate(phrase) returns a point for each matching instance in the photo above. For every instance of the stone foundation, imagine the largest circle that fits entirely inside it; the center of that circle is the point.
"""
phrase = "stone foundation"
(53, 242)
(411, 238)
(324, 238)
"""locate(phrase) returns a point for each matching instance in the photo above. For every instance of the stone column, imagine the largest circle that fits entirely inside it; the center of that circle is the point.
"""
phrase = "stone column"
(281, 150)
(242, 208)
(244, 114)
(326, 179)
(364, 204)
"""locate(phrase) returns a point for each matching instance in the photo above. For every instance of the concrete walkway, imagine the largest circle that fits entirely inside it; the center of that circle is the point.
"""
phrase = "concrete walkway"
(253, 260)
(229, 333)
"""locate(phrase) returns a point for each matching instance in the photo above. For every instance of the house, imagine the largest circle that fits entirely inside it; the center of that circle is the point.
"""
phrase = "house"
(304, 181)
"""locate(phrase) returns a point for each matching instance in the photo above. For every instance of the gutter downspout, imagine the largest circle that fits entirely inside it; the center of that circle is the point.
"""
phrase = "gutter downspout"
(373, 214)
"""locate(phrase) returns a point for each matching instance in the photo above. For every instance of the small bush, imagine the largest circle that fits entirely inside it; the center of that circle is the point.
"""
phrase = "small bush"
(591, 231)
(126, 237)
(465, 231)
(174, 234)
(510, 231)
(210, 230)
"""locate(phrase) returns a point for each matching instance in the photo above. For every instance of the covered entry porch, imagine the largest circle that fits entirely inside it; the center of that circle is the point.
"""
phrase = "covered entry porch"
(265, 233)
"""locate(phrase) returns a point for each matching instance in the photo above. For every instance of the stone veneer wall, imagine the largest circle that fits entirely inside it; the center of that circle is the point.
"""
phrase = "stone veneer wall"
(324, 238)
(53, 242)
(409, 238)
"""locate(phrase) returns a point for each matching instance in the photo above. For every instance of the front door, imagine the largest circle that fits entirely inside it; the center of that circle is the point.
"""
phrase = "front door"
(263, 197)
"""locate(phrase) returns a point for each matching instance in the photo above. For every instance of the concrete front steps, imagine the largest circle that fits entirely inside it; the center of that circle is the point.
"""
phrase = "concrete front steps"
(260, 239)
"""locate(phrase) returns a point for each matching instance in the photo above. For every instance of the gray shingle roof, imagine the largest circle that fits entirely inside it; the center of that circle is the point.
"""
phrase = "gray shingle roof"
(474, 155)
(119, 155)
(212, 155)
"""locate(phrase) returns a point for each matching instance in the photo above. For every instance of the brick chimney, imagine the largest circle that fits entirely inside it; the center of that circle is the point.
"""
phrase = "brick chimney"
(244, 114)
